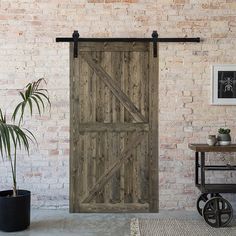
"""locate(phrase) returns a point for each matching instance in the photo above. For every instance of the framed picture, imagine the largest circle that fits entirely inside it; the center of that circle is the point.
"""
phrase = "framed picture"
(223, 85)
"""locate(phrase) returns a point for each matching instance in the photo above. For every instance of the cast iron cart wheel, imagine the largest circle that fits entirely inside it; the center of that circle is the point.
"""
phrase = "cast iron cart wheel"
(203, 198)
(217, 212)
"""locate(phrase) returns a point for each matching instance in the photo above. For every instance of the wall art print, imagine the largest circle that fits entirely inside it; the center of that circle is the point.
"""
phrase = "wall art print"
(223, 85)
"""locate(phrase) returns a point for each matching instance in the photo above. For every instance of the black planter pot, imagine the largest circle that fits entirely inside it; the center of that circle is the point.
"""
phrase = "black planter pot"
(14, 211)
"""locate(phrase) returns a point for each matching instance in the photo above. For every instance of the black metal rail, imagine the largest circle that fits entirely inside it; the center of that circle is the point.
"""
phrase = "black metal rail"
(218, 167)
(159, 40)
(155, 39)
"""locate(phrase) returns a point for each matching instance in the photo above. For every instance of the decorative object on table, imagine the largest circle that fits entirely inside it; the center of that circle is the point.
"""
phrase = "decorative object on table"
(15, 203)
(224, 137)
(223, 85)
(211, 140)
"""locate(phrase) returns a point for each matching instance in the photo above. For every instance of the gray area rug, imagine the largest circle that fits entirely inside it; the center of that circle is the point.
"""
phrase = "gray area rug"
(174, 227)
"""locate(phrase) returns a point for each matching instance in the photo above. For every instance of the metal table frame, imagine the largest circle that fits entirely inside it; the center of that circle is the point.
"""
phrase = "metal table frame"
(200, 168)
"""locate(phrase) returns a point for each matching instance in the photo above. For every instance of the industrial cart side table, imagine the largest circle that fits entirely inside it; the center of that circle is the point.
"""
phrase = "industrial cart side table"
(216, 210)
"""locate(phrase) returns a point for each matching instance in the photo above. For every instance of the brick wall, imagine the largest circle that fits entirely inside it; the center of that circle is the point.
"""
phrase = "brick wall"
(28, 29)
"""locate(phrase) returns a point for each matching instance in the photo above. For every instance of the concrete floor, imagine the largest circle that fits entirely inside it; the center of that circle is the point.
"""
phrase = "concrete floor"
(61, 223)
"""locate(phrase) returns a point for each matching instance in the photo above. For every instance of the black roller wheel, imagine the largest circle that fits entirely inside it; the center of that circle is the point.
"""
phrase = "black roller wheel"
(203, 198)
(217, 212)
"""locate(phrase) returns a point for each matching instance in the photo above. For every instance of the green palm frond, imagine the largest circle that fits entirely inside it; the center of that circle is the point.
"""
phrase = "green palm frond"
(32, 95)
(12, 137)
(2, 117)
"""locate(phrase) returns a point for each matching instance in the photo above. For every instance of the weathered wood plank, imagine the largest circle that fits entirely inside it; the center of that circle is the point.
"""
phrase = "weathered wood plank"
(85, 150)
(107, 186)
(89, 161)
(207, 148)
(99, 164)
(74, 150)
(144, 169)
(99, 92)
(92, 96)
(142, 150)
(136, 97)
(135, 176)
(112, 127)
(127, 84)
(111, 208)
(103, 175)
(144, 83)
(116, 74)
(100, 116)
(106, 65)
(140, 165)
(128, 180)
(115, 167)
(122, 86)
(128, 118)
(112, 47)
(122, 134)
(122, 169)
(153, 133)
(83, 90)
(80, 159)
(115, 184)
(73, 166)
(114, 87)
(94, 158)
(102, 165)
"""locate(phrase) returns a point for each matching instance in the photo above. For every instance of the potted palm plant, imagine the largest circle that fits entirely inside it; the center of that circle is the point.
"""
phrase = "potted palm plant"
(15, 203)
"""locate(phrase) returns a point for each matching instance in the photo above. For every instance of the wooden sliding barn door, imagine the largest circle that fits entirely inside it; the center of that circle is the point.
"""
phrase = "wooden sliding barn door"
(114, 136)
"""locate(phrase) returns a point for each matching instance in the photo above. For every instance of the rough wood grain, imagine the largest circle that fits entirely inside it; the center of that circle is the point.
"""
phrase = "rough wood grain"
(106, 64)
(75, 188)
(128, 180)
(112, 127)
(115, 167)
(105, 171)
(114, 87)
(207, 148)
(99, 165)
(113, 47)
(153, 134)
(136, 98)
(112, 208)
(73, 166)
(122, 134)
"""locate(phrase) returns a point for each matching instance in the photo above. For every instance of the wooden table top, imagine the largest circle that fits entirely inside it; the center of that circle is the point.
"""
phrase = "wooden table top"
(206, 148)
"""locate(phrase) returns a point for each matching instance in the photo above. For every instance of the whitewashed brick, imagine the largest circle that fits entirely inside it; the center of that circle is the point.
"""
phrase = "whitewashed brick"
(28, 51)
